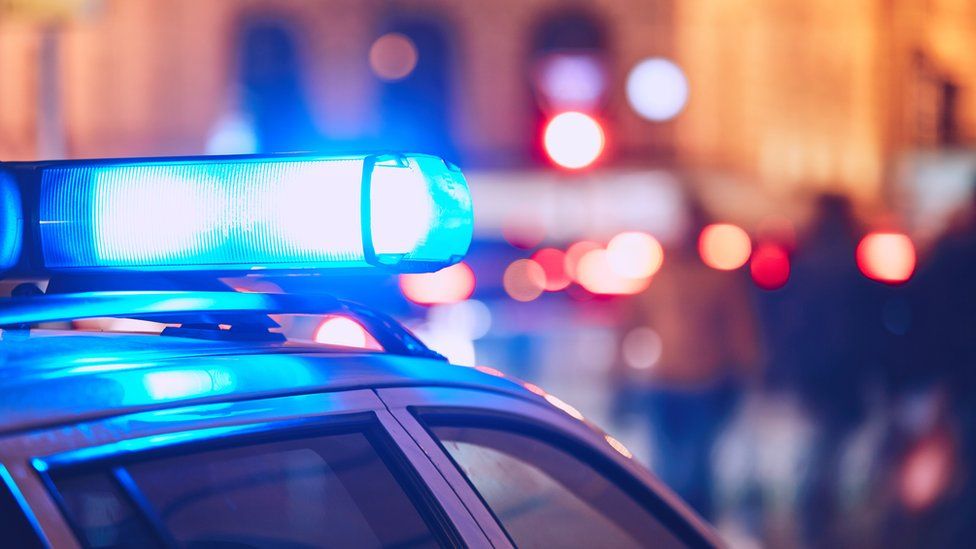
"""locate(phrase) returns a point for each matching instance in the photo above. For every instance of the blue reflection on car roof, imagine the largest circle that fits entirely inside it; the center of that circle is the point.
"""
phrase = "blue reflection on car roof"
(53, 378)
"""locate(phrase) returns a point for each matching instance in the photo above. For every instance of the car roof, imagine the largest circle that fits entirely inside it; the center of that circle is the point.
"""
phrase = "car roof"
(50, 378)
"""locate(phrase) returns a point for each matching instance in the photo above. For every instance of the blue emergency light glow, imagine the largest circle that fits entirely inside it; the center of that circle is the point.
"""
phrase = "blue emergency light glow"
(409, 212)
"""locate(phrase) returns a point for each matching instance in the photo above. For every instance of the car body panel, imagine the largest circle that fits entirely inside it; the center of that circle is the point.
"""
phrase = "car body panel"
(105, 377)
(70, 395)
(405, 402)
(27, 455)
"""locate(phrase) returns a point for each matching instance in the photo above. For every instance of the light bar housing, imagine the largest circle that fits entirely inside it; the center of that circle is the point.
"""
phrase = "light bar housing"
(231, 214)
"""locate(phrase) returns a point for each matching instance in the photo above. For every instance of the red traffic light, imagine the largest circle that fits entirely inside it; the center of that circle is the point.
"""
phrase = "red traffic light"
(573, 140)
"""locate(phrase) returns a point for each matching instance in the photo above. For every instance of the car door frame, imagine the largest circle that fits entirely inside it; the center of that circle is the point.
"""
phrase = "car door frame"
(26, 455)
(407, 403)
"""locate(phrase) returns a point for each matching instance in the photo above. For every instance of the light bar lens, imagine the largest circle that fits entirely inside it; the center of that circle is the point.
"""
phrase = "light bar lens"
(420, 212)
(261, 213)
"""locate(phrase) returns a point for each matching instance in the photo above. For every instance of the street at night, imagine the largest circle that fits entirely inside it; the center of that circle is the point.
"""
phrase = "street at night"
(536, 273)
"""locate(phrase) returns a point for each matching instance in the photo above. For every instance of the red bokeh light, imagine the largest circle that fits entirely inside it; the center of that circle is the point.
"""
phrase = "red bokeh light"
(450, 285)
(724, 246)
(553, 263)
(770, 267)
(886, 257)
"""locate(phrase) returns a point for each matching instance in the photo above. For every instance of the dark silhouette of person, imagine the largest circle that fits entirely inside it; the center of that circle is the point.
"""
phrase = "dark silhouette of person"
(942, 359)
(828, 362)
(272, 87)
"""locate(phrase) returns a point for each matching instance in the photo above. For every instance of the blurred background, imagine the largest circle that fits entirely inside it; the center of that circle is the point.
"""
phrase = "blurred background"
(738, 235)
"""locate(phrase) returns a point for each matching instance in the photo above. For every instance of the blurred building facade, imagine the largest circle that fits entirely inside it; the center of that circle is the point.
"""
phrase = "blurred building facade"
(788, 95)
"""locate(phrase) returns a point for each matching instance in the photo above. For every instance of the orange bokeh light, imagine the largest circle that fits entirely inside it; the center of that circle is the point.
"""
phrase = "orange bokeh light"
(596, 275)
(392, 56)
(574, 253)
(886, 257)
(524, 280)
(450, 285)
(635, 255)
(724, 246)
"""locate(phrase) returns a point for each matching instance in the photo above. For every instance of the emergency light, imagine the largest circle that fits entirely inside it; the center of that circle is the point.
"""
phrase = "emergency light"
(409, 213)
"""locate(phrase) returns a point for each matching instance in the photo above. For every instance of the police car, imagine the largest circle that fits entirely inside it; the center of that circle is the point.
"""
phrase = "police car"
(218, 430)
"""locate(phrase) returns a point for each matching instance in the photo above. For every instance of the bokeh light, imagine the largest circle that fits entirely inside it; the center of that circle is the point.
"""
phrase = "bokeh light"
(926, 472)
(571, 81)
(454, 345)
(574, 140)
(342, 331)
(635, 254)
(596, 275)
(886, 257)
(618, 446)
(770, 266)
(657, 89)
(233, 134)
(641, 348)
(392, 56)
(553, 263)
(724, 246)
(524, 280)
(470, 317)
(575, 253)
(490, 371)
(449, 285)
(562, 405)
(533, 388)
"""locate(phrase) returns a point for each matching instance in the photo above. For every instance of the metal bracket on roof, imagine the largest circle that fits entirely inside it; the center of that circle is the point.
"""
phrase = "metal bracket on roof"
(192, 309)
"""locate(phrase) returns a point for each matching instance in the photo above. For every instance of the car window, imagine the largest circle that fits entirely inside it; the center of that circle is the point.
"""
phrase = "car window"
(328, 491)
(543, 496)
(16, 527)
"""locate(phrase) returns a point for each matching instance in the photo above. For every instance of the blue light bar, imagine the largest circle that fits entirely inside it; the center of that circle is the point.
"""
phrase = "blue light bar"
(407, 212)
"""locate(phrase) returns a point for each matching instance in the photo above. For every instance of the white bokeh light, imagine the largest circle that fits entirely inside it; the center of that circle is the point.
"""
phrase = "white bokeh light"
(657, 89)
(574, 140)
(642, 348)
(342, 331)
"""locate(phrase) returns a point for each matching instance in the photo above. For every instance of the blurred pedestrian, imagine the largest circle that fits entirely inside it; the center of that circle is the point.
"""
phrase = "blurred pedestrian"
(943, 363)
(704, 324)
(830, 335)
